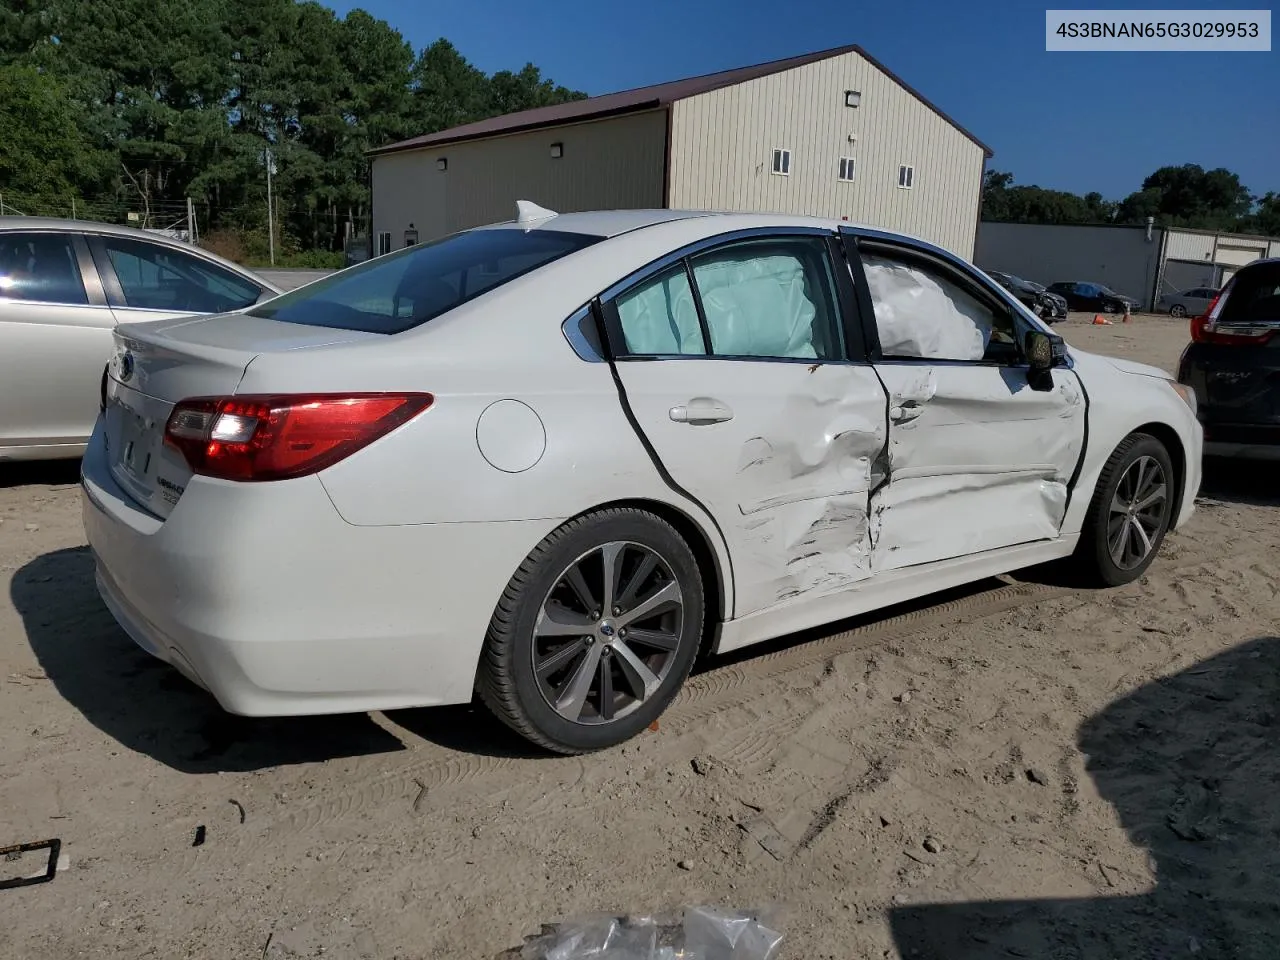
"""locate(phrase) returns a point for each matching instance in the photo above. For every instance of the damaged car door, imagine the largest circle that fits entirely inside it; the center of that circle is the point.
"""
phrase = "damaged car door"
(981, 454)
(745, 372)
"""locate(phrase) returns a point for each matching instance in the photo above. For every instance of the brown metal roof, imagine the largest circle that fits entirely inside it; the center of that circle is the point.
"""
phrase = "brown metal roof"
(643, 98)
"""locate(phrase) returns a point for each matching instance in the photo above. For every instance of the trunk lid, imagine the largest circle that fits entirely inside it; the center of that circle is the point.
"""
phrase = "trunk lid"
(155, 365)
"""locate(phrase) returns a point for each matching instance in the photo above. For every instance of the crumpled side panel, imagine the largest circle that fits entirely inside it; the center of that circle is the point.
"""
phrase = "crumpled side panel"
(919, 316)
(756, 306)
(976, 460)
(803, 491)
(957, 509)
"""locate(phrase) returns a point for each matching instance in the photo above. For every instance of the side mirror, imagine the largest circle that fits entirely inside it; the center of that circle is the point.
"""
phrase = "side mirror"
(1039, 350)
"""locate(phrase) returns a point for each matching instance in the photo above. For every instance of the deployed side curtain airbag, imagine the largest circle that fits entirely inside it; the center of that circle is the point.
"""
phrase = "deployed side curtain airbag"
(660, 318)
(756, 306)
(918, 315)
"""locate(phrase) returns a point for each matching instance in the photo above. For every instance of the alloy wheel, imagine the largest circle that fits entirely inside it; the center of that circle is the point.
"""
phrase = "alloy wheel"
(1137, 512)
(608, 632)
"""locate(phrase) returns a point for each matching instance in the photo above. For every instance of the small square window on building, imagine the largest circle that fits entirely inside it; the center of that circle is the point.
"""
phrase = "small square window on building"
(384, 243)
(782, 162)
(442, 163)
(906, 176)
(846, 168)
(852, 98)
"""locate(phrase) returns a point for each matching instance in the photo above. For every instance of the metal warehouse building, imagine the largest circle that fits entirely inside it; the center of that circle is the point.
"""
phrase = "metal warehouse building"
(830, 134)
(1141, 262)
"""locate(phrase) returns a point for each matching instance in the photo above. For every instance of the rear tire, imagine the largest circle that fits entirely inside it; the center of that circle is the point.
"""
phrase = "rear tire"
(595, 633)
(1129, 514)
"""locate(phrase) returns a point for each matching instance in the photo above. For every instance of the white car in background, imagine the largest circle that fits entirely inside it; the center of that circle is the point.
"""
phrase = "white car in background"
(551, 460)
(64, 285)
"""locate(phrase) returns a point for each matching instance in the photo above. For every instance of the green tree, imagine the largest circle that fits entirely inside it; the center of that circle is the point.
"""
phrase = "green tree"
(45, 156)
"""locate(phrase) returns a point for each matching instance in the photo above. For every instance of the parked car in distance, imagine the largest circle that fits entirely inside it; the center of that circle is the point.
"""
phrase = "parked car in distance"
(1047, 306)
(64, 285)
(1092, 297)
(1194, 302)
(1233, 365)
(557, 458)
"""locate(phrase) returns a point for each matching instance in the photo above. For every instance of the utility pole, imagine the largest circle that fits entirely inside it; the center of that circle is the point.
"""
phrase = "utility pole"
(271, 219)
(192, 237)
(73, 208)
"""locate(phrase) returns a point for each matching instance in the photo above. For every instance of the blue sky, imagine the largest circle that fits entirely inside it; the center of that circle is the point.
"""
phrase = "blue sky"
(1070, 121)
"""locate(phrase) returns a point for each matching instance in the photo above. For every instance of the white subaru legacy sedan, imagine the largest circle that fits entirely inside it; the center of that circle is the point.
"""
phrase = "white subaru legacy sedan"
(552, 460)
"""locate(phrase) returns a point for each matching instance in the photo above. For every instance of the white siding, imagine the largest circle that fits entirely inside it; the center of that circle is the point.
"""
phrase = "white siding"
(722, 144)
(1189, 246)
(611, 164)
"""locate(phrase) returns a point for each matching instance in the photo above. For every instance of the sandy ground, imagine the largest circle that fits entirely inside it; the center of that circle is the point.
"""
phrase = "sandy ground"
(1021, 768)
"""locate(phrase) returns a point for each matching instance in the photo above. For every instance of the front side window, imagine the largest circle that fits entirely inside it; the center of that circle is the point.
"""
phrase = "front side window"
(922, 312)
(41, 267)
(154, 277)
(406, 289)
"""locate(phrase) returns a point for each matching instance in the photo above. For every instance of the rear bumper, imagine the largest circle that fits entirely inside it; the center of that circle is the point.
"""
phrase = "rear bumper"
(1243, 451)
(263, 595)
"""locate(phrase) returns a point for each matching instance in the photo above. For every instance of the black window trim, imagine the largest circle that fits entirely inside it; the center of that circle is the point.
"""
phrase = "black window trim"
(846, 305)
(95, 297)
(990, 294)
(110, 282)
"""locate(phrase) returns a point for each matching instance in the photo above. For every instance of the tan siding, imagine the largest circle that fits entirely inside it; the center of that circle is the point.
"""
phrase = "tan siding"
(1189, 246)
(722, 145)
(607, 165)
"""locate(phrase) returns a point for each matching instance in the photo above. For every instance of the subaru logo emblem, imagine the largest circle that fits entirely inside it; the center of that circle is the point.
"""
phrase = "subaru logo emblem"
(126, 367)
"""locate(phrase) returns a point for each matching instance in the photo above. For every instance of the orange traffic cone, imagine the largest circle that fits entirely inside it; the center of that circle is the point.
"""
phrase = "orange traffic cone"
(1099, 320)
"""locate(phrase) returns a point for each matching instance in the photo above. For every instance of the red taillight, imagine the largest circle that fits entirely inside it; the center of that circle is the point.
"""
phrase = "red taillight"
(1205, 329)
(277, 437)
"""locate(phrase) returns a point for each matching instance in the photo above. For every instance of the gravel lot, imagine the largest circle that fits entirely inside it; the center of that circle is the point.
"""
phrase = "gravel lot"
(1021, 768)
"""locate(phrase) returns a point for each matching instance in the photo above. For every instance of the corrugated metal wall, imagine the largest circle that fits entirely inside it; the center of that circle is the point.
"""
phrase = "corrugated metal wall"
(1120, 257)
(722, 144)
(607, 165)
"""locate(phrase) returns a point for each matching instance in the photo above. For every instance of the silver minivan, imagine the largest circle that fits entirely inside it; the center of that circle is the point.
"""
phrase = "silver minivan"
(64, 285)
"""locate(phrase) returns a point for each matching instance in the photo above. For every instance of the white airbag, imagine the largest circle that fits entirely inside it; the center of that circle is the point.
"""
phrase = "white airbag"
(757, 306)
(919, 315)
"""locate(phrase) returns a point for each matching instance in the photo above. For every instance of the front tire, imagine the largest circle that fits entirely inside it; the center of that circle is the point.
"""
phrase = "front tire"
(595, 632)
(1178, 310)
(1130, 512)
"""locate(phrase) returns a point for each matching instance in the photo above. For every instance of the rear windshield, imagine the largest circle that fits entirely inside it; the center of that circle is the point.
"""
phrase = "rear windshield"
(407, 288)
(1254, 296)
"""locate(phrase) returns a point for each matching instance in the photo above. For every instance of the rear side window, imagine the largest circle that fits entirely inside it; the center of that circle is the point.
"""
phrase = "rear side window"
(1254, 296)
(406, 289)
(154, 277)
(40, 267)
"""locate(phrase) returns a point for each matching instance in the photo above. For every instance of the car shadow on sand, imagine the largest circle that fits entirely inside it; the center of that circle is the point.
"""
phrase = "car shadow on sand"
(55, 473)
(1191, 763)
(1252, 482)
(148, 706)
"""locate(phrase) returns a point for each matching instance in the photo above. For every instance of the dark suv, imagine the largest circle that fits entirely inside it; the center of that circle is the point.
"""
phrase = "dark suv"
(1233, 365)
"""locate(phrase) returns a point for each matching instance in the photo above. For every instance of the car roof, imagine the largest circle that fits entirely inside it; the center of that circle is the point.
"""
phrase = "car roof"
(612, 223)
(62, 224)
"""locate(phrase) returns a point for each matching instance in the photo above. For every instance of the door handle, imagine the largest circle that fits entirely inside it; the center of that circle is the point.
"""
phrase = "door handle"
(905, 411)
(701, 410)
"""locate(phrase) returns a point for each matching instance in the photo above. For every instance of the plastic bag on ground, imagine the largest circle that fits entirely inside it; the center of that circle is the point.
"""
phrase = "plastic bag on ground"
(705, 933)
